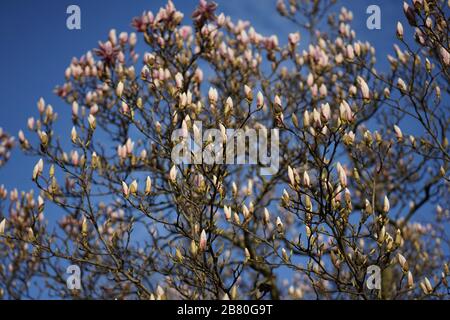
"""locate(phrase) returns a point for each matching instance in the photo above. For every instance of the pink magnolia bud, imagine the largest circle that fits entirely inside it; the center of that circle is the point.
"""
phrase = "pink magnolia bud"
(41, 105)
(294, 38)
(248, 93)
(342, 175)
(445, 56)
(203, 241)
(291, 176)
(266, 216)
(386, 205)
(345, 112)
(30, 123)
(306, 119)
(129, 145)
(364, 88)
(279, 224)
(401, 85)
(325, 111)
(173, 173)
(119, 89)
(398, 133)
(410, 280)
(21, 136)
(92, 122)
(179, 80)
(38, 168)
(125, 189)
(306, 179)
(310, 80)
(148, 186)
(73, 135)
(2, 227)
(212, 95)
(94, 109)
(350, 54)
(277, 101)
(227, 211)
(399, 30)
(259, 99)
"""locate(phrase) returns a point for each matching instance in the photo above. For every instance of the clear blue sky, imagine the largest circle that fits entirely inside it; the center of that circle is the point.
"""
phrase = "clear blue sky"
(36, 47)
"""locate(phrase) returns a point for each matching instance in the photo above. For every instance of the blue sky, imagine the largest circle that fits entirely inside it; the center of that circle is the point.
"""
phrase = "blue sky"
(37, 47)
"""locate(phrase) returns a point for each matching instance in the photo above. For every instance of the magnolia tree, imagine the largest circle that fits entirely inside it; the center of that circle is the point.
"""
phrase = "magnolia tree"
(357, 207)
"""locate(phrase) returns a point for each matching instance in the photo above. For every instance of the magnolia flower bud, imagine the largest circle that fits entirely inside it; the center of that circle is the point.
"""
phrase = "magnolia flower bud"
(237, 220)
(342, 175)
(119, 89)
(277, 101)
(227, 211)
(92, 122)
(445, 55)
(179, 80)
(410, 280)
(284, 255)
(349, 52)
(306, 179)
(428, 285)
(234, 189)
(194, 248)
(75, 108)
(368, 207)
(386, 205)
(279, 224)
(30, 234)
(2, 227)
(212, 95)
(306, 119)
(291, 176)
(84, 227)
(325, 111)
(203, 240)
(248, 93)
(38, 168)
(245, 211)
(228, 105)
(259, 99)
(345, 112)
(133, 187)
(399, 30)
(173, 174)
(44, 138)
(266, 216)
(398, 133)
(73, 135)
(247, 254)
(401, 85)
(308, 204)
(285, 197)
(148, 186)
(364, 88)
(41, 105)
(294, 120)
(179, 255)
(125, 190)
(403, 263)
